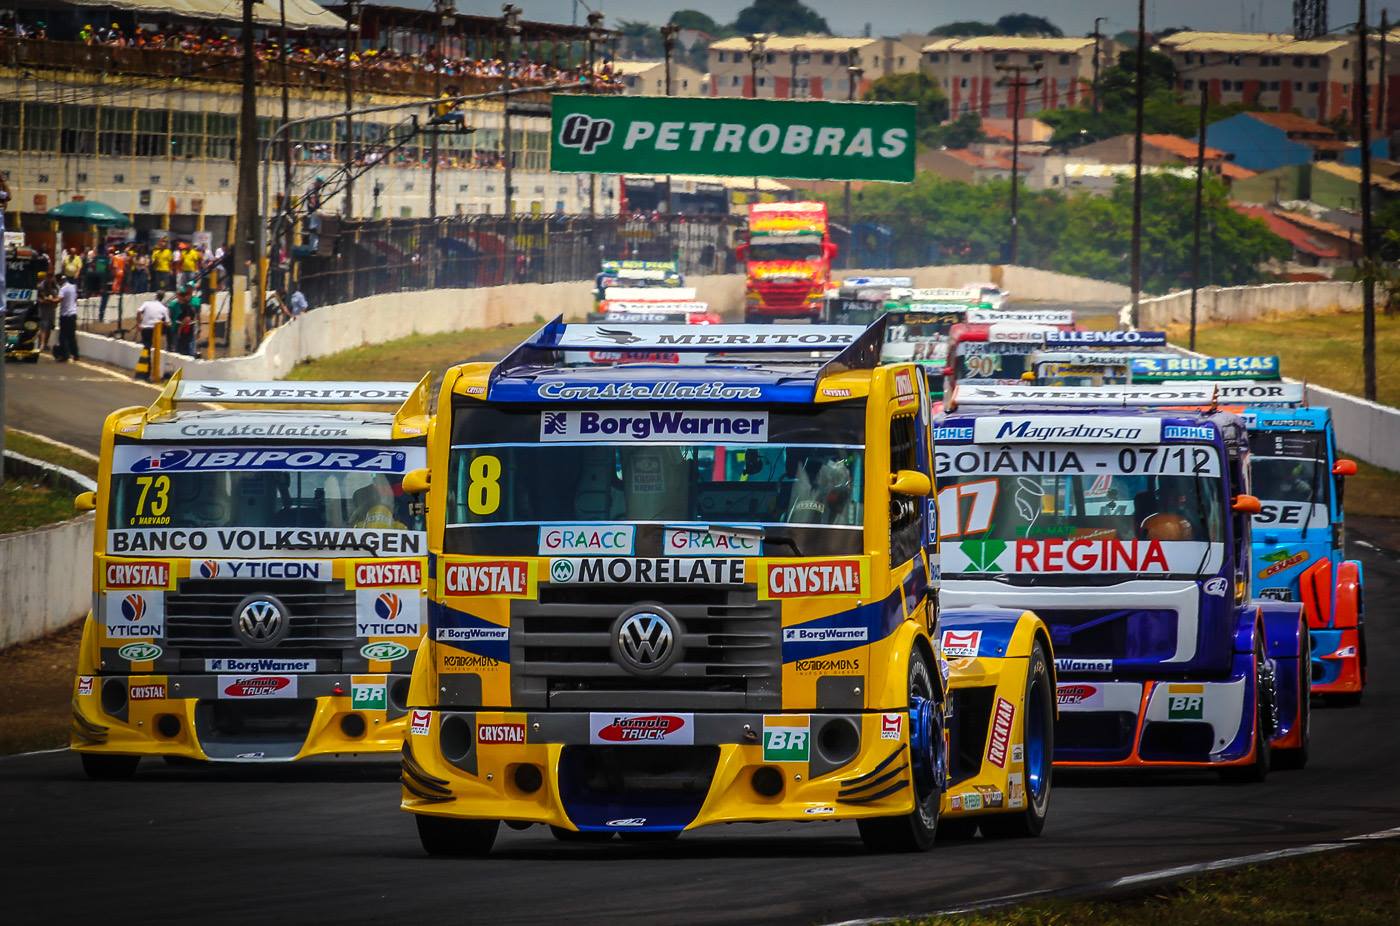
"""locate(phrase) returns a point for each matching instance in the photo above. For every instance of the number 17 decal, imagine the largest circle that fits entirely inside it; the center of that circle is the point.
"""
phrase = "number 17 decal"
(980, 499)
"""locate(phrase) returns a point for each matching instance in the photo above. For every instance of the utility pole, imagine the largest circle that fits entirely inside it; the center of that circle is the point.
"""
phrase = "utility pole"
(1368, 264)
(1017, 84)
(853, 74)
(595, 35)
(668, 44)
(286, 154)
(1382, 117)
(1140, 91)
(792, 80)
(1196, 222)
(1098, 37)
(445, 19)
(758, 47)
(246, 212)
(510, 19)
(352, 29)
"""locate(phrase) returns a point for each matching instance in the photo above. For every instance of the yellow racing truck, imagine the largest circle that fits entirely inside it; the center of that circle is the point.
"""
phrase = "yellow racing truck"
(668, 593)
(259, 580)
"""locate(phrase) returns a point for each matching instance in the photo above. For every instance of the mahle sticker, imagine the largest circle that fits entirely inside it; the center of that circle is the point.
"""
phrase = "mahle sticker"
(787, 738)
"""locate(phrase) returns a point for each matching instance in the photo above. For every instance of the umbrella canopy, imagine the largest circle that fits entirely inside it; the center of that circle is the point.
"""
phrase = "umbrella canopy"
(90, 212)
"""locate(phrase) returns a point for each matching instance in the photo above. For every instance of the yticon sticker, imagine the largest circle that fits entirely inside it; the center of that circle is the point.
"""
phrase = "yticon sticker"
(310, 570)
(694, 427)
(388, 613)
(588, 539)
(134, 615)
(615, 729)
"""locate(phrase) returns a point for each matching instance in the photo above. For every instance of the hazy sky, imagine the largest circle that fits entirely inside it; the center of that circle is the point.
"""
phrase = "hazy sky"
(890, 17)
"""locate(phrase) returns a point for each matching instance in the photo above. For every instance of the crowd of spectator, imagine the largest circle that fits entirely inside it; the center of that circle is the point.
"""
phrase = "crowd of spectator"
(310, 51)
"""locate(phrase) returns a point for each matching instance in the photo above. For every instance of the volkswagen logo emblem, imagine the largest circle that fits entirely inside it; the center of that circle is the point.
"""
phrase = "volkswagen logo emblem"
(260, 621)
(646, 640)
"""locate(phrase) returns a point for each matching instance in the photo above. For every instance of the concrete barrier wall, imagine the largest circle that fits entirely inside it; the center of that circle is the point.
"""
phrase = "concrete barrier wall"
(376, 319)
(47, 581)
(1216, 304)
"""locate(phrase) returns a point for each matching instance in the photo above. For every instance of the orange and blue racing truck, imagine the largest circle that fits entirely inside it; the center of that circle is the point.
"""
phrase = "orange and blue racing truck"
(1122, 516)
(258, 574)
(672, 594)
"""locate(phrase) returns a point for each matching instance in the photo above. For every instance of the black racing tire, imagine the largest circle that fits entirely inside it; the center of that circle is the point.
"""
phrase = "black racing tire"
(1039, 713)
(446, 837)
(914, 831)
(1297, 758)
(563, 835)
(105, 766)
(1258, 770)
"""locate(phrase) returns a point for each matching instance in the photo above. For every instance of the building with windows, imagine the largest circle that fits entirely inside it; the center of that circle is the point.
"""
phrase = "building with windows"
(968, 71)
(648, 78)
(153, 130)
(1263, 141)
(805, 66)
(1315, 78)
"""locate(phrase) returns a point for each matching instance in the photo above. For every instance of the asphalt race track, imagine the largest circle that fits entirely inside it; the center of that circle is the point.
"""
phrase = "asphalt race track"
(326, 843)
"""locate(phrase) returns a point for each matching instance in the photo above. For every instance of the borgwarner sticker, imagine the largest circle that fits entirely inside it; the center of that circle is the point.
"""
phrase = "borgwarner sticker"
(383, 613)
(259, 664)
(613, 729)
(653, 392)
(257, 686)
(586, 539)
(134, 615)
(690, 541)
(696, 427)
(133, 458)
(1061, 429)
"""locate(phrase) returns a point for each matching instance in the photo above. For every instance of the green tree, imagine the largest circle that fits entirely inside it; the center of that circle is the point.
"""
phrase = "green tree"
(961, 132)
(964, 28)
(1026, 24)
(639, 39)
(784, 17)
(694, 19)
(914, 87)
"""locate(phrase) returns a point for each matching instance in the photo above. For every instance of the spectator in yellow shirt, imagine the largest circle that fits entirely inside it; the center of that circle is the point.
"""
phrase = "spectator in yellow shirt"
(161, 259)
(189, 266)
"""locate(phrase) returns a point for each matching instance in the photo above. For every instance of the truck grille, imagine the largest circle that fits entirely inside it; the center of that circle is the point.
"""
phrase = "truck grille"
(786, 295)
(199, 616)
(1111, 633)
(562, 656)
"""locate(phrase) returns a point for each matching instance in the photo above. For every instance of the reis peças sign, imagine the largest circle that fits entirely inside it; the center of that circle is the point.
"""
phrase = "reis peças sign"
(812, 140)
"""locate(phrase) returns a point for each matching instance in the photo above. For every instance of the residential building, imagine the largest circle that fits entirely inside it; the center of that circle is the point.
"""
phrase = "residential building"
(648, 78)
(969, 165)
(805, 66)
(1070, 174)
(1326, 184)
(1313, 248)
(1160, 150)
(967, 70)
(1032, 131)
(1315, 77)
(1266, 140)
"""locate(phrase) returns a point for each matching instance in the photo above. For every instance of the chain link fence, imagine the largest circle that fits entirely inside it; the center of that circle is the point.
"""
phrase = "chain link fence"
(352, 259)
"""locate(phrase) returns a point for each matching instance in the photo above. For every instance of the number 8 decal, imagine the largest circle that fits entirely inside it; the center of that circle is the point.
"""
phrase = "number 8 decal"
(982, 496)
(484, 492)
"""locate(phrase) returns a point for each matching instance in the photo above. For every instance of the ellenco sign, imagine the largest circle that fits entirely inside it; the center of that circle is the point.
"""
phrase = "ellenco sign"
(816, 140)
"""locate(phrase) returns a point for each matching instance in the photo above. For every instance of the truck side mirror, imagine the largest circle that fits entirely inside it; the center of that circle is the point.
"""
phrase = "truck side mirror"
(911, 482)
(1344, 468)
(830, 249)
(1246, 504)
(741, 252)
(85, 501)
(416, 481)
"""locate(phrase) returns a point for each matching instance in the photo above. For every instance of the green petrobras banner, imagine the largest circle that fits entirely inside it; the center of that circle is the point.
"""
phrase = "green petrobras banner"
(811, 140)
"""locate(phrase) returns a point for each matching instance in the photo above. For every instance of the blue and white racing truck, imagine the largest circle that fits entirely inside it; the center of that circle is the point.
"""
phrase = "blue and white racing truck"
(1123, 520)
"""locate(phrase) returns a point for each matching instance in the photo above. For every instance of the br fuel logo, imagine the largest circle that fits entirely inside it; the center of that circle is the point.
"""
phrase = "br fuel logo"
(787, 738)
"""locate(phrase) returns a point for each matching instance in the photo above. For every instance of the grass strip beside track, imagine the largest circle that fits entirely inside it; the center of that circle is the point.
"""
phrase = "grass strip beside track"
(25, 501)
(1353, 887)
(49, 452)
(409, 358)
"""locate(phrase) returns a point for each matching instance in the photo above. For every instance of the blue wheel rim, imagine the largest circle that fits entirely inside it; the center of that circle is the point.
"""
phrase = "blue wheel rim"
(1037, 756)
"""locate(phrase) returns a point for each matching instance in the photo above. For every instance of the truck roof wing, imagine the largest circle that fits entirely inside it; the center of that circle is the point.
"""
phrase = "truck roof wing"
(1021, 316)
(1106, 339)
(1202, 392)
(410, 399)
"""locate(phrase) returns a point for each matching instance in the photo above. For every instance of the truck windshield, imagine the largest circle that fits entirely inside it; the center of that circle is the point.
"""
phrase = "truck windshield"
(786, 250)
(1149, 509)
(195, 491)
(1289, 466)
(795, 477)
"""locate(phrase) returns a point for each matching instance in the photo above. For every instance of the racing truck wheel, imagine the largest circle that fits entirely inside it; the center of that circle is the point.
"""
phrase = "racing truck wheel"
(1039, 711)
(1297, 757)
(108, 767)
(452, 838)
(1257, 770)
(914, 831)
